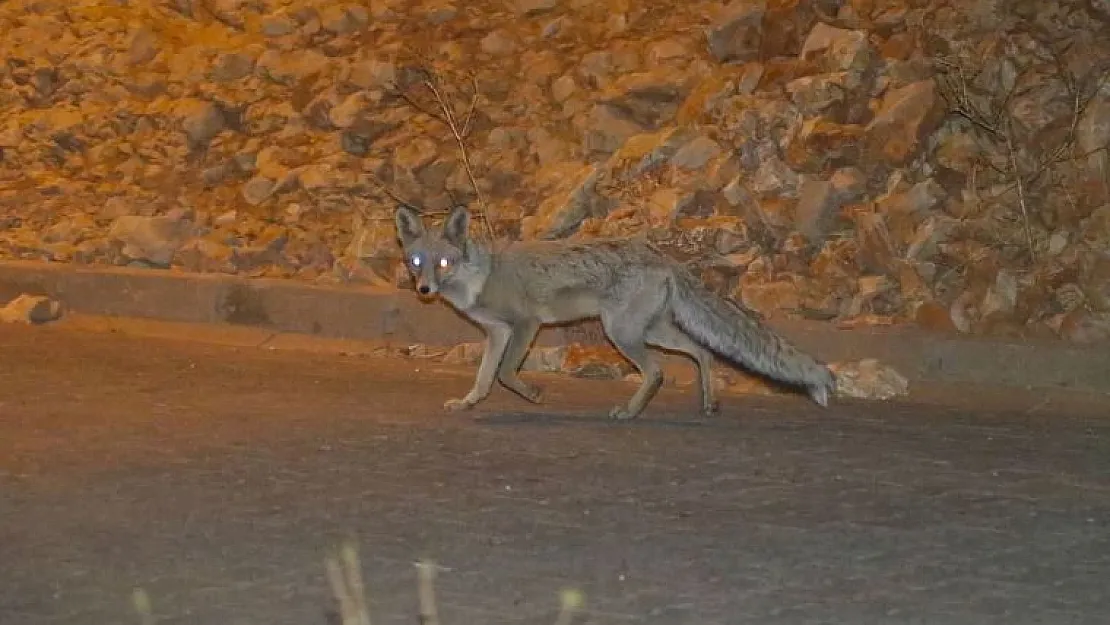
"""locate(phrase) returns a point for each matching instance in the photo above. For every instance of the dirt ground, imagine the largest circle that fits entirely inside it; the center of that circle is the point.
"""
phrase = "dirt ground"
(217, 478)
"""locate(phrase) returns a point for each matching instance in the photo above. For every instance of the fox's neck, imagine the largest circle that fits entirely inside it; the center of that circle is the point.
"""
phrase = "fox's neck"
(477, 268)
(480, 256)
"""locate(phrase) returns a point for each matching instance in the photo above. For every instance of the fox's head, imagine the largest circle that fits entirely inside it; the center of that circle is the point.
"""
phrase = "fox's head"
(438, 261)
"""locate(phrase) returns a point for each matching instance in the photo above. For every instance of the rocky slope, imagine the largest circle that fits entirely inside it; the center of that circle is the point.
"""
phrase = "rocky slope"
(867, 162)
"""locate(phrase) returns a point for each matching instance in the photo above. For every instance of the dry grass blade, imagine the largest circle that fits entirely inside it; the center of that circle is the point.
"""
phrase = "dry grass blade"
(570, 602)
(345, 578)
(425, 588)
(141, 602)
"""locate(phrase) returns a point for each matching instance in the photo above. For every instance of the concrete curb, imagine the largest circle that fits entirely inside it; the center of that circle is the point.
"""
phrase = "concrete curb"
(398, 317)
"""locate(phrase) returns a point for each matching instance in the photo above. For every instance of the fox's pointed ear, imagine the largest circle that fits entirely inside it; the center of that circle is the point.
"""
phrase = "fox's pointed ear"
(409, 224)
(456, 224)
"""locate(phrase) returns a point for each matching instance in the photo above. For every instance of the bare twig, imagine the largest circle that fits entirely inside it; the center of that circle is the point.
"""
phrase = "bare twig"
(472, 108)
(460, 139)
(386, 189)
(994, 117)
(460, 129)
(1020, 190)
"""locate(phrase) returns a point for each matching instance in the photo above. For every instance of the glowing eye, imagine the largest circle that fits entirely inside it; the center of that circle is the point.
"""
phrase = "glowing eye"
(416, 261)
(443, 262)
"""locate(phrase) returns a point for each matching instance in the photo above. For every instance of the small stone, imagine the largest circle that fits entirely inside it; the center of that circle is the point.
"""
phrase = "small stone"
(696, 154)
(666, 50)
(288, 68)
(820, 201)
(257, 190)
(232, 66)
(439, 11)
(531, 8)
(464, 354)
(143, 47)
(1085, 327)
(563, 87)
(775, 178)
(545, 359)
(819, 95)
(343, 19)
(151, 240)
(595, 362)
(31, 309)
(1001, 297)
(278, 25)
(839, 49)
(497, 43)
(934, 317)
(771, 298)
(608, 128)
(373, 74)
(201, 121)
(869, 379)
(349, 111)
(226, 219)
(1057, 243)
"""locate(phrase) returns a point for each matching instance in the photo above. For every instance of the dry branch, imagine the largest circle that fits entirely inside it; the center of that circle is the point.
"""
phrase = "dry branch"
(460, 127)
(991, 113)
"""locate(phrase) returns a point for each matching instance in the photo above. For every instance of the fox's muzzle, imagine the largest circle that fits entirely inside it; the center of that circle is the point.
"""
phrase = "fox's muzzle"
(424, 285)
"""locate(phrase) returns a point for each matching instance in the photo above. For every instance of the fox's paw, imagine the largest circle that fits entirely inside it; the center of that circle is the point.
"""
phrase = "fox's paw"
(711, 408)
(533, 394)
(457, 405)
(621, 413)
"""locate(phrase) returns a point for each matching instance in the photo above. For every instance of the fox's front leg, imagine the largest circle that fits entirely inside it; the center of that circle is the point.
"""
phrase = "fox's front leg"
(523, 333)
(497, 339)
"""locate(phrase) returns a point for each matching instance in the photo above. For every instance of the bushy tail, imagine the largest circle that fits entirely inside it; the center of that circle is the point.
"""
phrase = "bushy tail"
(741, 337)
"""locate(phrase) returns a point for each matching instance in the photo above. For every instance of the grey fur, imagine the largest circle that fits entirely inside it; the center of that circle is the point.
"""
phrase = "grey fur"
(641, 296)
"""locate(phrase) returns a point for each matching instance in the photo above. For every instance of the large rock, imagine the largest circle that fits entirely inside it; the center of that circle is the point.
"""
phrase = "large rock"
(150, 240)
(573, 197)
(839, 50)
(820, 201)
(905, 118)
(818, 145)
(736, 34)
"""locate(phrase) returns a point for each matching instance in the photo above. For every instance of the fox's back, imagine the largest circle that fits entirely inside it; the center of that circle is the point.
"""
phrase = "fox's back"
(560, 281)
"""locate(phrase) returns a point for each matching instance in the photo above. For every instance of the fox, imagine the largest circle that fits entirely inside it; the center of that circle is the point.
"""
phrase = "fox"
(642, 297)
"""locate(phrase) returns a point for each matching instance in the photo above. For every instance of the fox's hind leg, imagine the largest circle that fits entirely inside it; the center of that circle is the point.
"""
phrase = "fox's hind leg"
(627, 327)
(663, 333)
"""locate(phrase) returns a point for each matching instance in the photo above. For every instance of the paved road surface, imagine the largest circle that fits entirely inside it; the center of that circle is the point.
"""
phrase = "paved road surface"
(218, 478)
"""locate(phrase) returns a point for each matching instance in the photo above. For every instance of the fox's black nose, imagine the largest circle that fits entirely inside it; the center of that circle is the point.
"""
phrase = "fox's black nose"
(423, 288)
